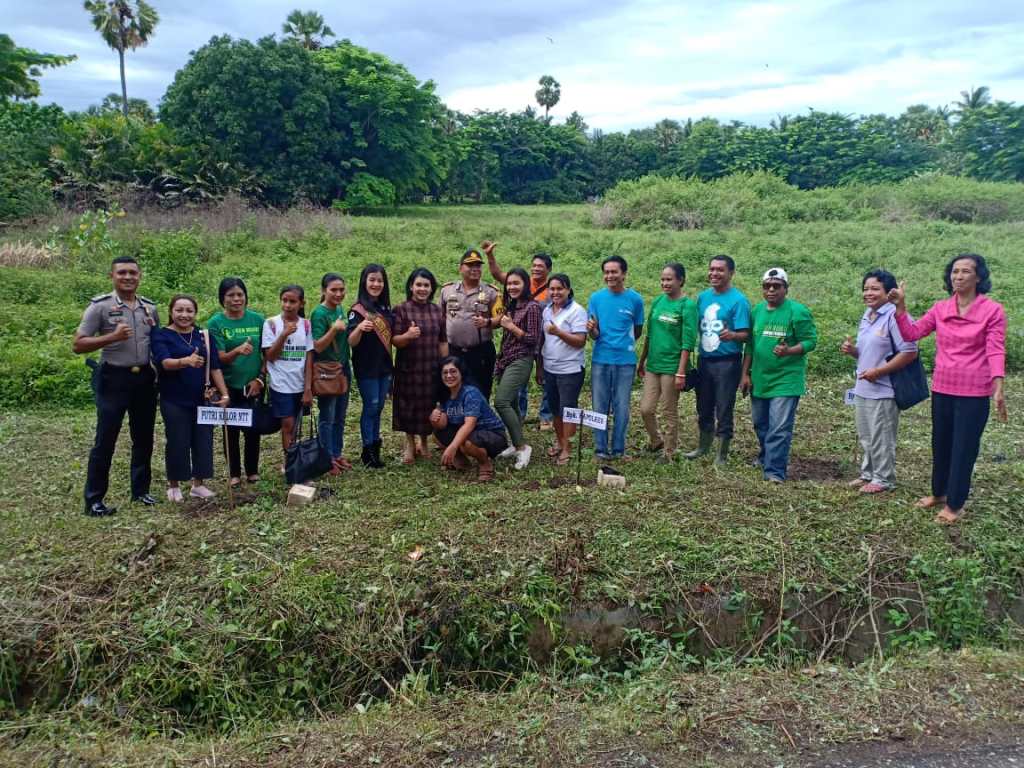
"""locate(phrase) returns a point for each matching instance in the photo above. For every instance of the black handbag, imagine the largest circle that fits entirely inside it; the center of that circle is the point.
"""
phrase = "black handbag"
(264, 422)
(306, 459)
(909, 383)
(692, 379)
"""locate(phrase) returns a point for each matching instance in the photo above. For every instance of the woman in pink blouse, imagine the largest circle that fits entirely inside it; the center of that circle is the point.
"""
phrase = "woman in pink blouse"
(970, 362)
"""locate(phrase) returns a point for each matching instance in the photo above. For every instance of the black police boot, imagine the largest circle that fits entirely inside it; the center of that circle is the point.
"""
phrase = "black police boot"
(367, 456)
(145, 499)
(99, 509)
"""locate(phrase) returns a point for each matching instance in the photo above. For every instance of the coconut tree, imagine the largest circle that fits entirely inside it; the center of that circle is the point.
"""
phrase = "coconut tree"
(123, 25)
(975, 98)
(548, 94)
(307, 28)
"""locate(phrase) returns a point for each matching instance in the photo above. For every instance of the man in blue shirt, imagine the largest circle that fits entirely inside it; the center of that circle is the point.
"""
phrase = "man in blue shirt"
(724, 326)
(616, 319)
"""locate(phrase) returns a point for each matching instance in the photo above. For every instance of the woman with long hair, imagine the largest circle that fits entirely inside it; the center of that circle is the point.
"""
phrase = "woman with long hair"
(520, 341)
(421, 342)
(330, 345)
(370, 328)
(464, 424)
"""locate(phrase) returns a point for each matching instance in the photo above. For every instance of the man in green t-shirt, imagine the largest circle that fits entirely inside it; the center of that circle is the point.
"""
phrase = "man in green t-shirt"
(775, 370)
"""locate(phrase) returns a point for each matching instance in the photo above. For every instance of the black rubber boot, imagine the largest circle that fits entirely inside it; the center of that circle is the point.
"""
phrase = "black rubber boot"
(706, 439)
(722, 455)
(367, 456)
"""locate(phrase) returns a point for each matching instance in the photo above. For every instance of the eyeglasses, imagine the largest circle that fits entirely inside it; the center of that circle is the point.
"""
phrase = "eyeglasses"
(773, 286)
(449, 374)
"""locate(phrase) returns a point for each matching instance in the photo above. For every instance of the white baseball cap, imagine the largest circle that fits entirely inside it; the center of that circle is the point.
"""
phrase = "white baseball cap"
(776, 273)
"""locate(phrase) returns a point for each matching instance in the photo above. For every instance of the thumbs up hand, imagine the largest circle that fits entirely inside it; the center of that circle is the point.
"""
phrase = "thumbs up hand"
(414, 331)
(898, 296)
(848, 347)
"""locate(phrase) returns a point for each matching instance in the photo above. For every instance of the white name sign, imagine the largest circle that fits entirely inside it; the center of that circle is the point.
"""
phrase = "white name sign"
(232, 417)
(591, 419)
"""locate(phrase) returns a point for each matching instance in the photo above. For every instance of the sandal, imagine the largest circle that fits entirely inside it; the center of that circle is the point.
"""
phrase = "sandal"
(235, 482)
(857, 482)
(873, 488)
(949, 517)
(252, 479)
(927, 502)
(561, 461)
(553, 451)
(486, 472)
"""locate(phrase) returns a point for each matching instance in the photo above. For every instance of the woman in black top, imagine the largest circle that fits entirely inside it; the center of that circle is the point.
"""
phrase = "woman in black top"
(187, 359)
(370, 324)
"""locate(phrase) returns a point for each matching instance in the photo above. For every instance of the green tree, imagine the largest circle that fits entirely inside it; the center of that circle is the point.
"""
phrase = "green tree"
(307, 28)
(19, 68)
(548, 94)
(123, 25)
(137, 108)
(973, 98)
(989, 142)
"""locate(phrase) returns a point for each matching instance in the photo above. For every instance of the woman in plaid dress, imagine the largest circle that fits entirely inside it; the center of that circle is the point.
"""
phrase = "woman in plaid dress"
(421, 343)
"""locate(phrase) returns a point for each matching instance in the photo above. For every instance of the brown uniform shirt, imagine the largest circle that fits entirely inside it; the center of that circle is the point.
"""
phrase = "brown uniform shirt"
(461, 306)
(106, 312)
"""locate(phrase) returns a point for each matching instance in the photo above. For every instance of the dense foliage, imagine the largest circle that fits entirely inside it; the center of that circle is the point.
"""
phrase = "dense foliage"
(295, 119)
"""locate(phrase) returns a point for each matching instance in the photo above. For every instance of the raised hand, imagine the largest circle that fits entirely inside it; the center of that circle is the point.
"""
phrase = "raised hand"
(245, 348)
(898, 295)
(848, 347)
(488, 247)
(414, 331)
(122, 332)
(339, 324)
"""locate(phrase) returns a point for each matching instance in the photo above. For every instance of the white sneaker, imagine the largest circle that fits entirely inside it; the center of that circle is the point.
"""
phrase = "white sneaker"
(201, 492)
(523, 457)
(508, 453)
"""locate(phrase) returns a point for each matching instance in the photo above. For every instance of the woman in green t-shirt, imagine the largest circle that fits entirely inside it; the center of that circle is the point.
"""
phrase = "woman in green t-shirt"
(237, 329)
(671, 335)
(330, 344)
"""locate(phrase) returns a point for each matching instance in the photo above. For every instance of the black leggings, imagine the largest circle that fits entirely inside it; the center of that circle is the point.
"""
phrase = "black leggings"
(957, 424)
(252, 442)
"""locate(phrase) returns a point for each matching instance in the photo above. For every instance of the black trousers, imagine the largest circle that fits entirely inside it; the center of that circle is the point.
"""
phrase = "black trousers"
(189, 448)
(480, 362)
(252, 441)
(957, 424)
(119, 391)
(716, 393)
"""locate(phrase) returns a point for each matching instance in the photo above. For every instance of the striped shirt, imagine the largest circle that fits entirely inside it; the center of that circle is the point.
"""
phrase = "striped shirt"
(970, 351)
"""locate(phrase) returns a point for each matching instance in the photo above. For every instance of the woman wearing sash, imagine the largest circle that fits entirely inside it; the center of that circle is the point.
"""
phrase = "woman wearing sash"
(370, 324)
(421, 341)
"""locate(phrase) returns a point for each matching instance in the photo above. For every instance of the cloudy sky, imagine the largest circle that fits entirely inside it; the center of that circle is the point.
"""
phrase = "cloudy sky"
(621, 63)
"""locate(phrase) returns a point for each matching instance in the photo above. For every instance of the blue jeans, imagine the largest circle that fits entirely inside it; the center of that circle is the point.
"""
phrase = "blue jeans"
(332, 423)
(524, 400)
(610, 388)
(773, 422)
(373, 393)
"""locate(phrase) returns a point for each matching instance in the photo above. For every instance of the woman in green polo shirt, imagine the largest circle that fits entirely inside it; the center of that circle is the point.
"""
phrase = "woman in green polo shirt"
(330, 344)
(671, 336)
(236, 329)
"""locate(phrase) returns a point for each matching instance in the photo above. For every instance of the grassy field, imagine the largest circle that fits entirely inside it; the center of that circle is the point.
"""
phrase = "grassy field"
(542, 625)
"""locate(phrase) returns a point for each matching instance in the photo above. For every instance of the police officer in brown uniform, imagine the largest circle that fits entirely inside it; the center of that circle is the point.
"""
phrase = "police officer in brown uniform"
(118, 324)
(470, 306)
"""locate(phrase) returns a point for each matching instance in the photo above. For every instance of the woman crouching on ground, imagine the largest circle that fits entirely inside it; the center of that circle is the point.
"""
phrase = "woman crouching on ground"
(464, 423)
(565, 336)
(189, 363)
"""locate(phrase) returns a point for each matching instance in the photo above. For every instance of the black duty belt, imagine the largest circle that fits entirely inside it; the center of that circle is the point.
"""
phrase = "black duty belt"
(127, 368)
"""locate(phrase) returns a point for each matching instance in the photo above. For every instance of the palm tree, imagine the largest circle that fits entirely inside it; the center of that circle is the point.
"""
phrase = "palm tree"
(123, 25)
(307, 28)
(548, 94)
(975, 98)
